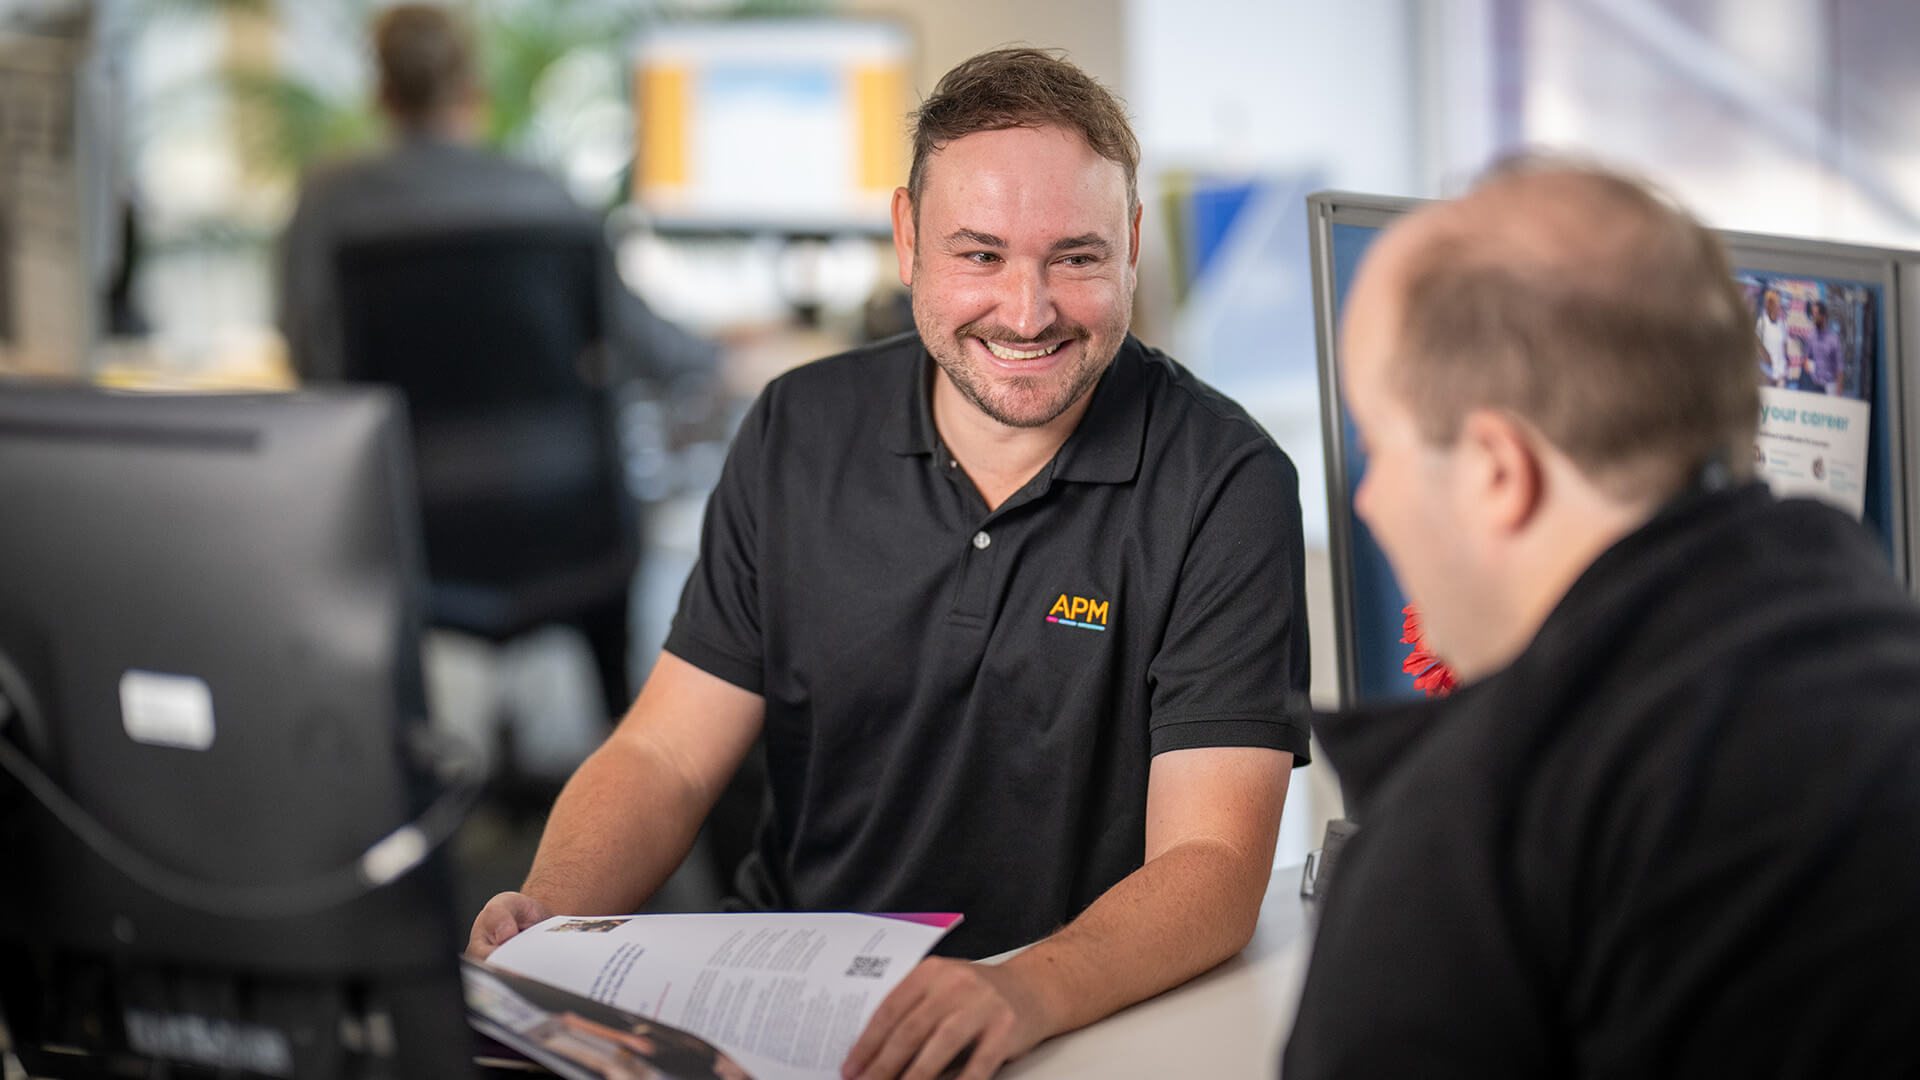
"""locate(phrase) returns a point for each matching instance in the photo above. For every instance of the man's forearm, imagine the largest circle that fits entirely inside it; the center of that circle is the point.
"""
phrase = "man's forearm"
(621, 826)
(1180, 914)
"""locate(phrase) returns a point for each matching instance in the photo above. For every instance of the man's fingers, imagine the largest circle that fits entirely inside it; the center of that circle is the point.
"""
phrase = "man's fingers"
(929, 1022)
(506, 924)
(897, 1004)
(486, 936)
(902, 1042)
(991, 1050)
(527, 911)
(504, 916)
(945, 1044)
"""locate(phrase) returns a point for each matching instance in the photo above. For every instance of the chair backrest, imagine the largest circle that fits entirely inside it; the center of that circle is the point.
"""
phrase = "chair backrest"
(494, 335)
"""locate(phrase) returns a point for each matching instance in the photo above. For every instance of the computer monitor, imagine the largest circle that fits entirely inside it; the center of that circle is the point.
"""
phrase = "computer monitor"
(717, 100)
(1844, 441)
(219, 827)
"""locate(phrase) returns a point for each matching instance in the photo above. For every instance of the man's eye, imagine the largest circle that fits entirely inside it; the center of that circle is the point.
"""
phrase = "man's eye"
(1079, 260)
(982, 257)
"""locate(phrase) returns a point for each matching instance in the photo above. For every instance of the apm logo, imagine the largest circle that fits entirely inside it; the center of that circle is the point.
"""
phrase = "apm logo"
(1078, 611)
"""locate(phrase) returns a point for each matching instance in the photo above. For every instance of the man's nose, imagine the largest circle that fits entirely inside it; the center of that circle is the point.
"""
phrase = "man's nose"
(1028, 308)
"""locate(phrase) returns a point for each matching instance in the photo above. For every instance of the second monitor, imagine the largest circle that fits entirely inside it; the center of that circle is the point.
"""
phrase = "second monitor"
(219, 821)
(1839, 434)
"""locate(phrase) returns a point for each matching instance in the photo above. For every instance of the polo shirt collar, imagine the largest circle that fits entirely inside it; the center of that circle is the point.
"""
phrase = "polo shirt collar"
(910, 430)
(1103, 449)
(1573, 650)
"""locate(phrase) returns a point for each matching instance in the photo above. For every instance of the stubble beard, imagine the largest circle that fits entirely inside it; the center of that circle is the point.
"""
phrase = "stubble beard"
(1023, 401)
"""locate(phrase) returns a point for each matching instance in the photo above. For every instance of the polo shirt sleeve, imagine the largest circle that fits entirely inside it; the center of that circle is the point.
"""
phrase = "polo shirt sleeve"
(1232, 668)
(717, 627)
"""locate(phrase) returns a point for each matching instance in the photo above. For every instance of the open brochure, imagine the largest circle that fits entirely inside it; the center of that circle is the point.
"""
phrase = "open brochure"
(581, 1039)
(782, 996)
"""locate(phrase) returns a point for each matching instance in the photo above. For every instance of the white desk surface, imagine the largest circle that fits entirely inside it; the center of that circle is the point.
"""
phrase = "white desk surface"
(1227, 1023)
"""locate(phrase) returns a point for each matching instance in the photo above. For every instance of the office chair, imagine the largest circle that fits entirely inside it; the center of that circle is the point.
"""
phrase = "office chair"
(495, 336)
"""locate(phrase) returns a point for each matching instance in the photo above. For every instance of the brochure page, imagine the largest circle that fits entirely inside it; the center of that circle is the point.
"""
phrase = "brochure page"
(579, 1039)
(785, 994)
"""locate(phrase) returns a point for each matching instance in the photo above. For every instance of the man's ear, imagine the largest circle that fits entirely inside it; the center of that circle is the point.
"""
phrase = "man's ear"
(1504, 469)
(903, 234)
(1133, 239)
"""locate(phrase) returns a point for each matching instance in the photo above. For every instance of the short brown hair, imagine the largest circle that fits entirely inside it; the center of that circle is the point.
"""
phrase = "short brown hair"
(1595, 310)
(1023, 88)
(426, 60)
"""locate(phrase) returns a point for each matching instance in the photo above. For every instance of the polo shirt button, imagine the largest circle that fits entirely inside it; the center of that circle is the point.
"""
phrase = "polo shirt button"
(981, 540)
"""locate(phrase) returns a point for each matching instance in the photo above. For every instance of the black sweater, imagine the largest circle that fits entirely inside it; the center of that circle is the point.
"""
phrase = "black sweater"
(1678, 836)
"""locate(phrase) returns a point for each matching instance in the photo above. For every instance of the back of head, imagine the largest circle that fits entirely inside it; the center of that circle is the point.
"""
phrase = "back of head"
(1602, 315)
(426, 62)
(1028, 88)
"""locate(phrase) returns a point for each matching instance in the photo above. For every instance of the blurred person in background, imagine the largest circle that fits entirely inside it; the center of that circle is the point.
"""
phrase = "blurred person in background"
(1826, 352)
(1667, 825)
(1800, 368)
(1016, 600)
(1771, 329)
(435, 176)
(501, 438)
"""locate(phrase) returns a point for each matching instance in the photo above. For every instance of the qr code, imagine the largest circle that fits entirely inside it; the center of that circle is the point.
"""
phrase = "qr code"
(869, 967)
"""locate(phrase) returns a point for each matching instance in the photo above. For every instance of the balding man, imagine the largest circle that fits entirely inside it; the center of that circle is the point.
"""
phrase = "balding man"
(1671, 824)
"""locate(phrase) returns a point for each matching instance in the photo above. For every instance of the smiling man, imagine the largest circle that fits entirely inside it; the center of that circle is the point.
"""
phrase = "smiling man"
(1015, 601)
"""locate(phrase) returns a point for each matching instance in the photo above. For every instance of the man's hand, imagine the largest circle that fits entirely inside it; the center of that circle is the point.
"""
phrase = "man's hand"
(940, 1009)
(504, 916)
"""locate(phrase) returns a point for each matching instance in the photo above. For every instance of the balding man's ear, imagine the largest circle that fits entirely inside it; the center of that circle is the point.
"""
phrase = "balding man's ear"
(1503, 468)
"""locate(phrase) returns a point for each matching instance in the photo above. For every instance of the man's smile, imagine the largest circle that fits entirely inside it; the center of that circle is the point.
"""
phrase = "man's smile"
(1007, 354)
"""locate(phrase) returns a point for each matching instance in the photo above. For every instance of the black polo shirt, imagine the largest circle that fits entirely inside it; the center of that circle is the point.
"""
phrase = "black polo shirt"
(961, 705)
